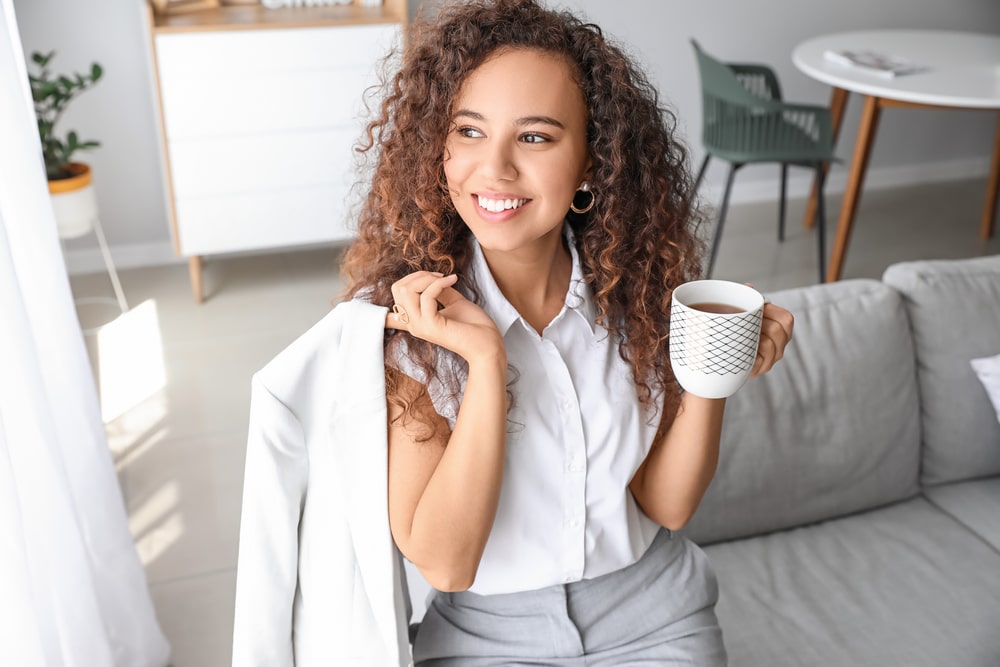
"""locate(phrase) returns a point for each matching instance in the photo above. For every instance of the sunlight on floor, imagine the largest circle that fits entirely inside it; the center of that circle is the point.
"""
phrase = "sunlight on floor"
(130, 359)
(157, 524)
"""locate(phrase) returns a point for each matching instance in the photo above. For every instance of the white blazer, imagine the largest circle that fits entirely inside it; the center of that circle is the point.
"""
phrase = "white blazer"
(319, 581)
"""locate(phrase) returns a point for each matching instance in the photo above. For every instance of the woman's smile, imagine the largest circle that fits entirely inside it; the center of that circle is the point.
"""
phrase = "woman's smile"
(498, 208)
(496, 205)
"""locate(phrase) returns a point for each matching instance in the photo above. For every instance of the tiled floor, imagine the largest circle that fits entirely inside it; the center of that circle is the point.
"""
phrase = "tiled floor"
(175, 376)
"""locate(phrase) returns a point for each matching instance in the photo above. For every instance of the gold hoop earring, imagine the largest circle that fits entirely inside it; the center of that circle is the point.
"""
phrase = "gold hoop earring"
(586, 189)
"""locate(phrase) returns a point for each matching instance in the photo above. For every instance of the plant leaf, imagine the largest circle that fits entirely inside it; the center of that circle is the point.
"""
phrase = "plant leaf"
(51, 95)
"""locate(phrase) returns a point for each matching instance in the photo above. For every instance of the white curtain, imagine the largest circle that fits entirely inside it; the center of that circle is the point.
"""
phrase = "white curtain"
(72, 590)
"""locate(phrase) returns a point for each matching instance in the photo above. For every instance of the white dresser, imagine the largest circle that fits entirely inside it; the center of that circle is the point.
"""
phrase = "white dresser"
(260, 110)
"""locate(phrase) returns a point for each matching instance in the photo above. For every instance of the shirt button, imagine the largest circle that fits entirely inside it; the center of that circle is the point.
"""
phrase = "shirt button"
(565, 405)
(575, 523)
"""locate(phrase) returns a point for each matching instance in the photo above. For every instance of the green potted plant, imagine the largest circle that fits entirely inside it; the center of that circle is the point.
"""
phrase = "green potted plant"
(70, 183)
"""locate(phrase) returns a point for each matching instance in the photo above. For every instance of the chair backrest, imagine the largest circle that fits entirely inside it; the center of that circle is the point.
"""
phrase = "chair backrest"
(745, 120)
(720, 82)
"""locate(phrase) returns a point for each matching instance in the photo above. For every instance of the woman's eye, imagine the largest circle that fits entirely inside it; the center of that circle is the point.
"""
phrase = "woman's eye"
(470, 132)
(533, 138)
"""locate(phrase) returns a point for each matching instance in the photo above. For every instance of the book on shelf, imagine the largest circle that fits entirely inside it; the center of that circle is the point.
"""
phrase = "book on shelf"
(878, 63)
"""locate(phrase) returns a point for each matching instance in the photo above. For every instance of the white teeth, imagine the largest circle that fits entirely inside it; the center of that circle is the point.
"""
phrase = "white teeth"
(497, 205)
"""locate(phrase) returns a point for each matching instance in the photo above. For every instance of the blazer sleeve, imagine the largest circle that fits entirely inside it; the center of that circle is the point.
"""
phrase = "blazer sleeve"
(274, 489)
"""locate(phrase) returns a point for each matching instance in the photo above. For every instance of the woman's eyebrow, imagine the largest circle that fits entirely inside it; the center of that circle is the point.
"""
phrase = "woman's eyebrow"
(526, 120)
(467, 113)
(545, 120)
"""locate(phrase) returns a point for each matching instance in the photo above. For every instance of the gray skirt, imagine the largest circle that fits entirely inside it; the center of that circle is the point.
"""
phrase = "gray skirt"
(657, 611)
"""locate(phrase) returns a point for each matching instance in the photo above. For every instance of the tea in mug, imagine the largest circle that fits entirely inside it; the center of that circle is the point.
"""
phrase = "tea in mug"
(718, 308)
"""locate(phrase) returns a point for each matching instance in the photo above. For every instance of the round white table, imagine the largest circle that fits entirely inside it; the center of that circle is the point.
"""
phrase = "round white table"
(961, 70)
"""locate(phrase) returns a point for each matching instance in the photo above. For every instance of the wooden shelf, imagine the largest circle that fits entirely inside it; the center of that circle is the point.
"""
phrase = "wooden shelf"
(256, 17)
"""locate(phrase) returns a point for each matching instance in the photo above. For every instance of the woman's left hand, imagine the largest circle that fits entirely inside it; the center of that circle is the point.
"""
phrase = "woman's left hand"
(775, 333)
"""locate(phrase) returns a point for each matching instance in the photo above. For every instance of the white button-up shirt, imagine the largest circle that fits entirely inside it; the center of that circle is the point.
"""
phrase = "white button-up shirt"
(576, 436)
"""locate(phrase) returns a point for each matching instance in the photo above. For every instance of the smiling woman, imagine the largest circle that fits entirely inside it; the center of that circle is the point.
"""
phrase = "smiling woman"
(507, 293)
(537, 450)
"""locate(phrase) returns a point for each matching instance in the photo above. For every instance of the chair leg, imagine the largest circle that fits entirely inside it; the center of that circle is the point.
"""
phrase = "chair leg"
(722, 219)
(781, 203)
(821, 221)
(701, 171)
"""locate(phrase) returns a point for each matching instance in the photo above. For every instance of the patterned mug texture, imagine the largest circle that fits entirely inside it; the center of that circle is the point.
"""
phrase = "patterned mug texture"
(712, 353)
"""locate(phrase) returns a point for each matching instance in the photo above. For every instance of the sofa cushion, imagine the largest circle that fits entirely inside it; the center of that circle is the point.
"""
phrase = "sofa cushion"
(974, 504)
(954, 309)
(832, 429)
(901, 585)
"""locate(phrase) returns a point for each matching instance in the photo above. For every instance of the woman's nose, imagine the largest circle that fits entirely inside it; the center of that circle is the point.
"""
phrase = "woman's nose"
(498, 162)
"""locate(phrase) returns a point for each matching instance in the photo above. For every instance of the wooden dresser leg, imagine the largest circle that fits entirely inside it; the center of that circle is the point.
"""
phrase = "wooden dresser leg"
(992, 185)
(194, 269)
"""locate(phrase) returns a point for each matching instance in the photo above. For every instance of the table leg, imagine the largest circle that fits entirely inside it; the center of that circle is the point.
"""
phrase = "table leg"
(837, 104)
(194, 271)
(992, 185)
(849, 205)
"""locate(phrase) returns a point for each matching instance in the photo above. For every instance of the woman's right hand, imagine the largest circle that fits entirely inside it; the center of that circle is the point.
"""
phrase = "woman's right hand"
(438, 313)
(444, 490)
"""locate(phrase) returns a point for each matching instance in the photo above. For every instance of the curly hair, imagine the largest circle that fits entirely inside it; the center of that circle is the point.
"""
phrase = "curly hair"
(636, 244)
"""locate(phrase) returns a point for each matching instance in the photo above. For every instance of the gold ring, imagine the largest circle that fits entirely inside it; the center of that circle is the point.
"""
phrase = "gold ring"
(400, 314)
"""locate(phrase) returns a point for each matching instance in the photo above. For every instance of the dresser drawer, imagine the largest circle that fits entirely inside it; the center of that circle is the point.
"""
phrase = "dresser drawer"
(251, 103)
(229, 83)
(273, 219)
(244, 164)
(211, 55)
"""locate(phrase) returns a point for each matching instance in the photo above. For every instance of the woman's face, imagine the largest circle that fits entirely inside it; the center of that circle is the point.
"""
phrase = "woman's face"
(517, 149)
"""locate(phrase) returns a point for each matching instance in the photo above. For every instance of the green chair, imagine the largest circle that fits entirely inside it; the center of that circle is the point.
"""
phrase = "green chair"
(745, 121)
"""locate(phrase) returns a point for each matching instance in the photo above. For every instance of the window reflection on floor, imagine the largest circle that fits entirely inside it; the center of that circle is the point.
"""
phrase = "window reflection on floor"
(130, 364)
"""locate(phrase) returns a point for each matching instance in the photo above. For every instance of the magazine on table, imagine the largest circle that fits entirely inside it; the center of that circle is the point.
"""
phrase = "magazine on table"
(878, 63)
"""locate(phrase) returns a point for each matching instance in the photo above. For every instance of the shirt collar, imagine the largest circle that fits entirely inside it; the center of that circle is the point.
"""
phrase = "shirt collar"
(578, 296)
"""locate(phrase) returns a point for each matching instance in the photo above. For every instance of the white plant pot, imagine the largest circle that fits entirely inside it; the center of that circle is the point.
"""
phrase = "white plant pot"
(74, 202)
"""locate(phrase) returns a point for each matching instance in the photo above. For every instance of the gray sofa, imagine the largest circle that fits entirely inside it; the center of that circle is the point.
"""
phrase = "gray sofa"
(855, 516)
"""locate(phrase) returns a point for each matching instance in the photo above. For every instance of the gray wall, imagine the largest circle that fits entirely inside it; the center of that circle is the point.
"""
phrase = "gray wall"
(912, 145)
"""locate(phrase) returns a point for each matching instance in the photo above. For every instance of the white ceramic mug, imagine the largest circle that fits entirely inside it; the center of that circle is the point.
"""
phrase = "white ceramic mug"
(712, 353)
